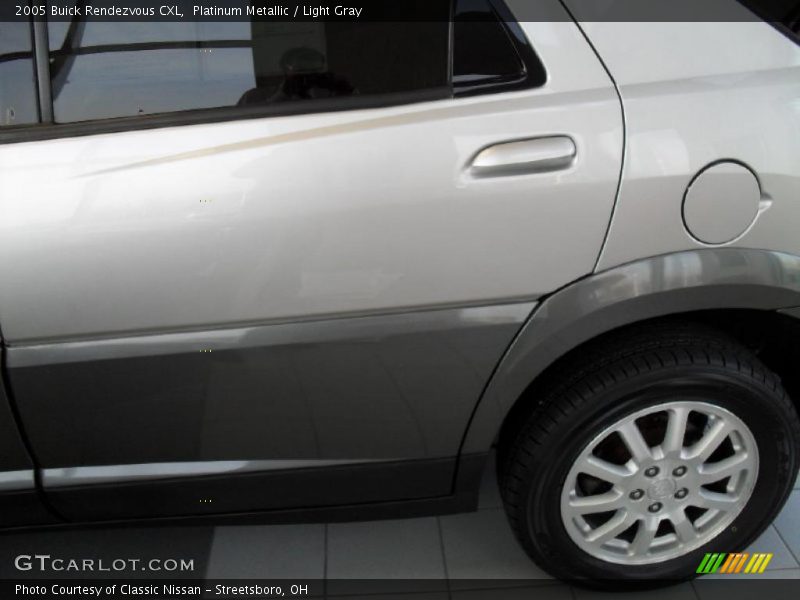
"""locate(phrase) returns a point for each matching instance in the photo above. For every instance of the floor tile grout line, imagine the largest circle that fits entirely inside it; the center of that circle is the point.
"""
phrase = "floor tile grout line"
(210, 552)
(444, 554)
(785, 543)
(325, 561)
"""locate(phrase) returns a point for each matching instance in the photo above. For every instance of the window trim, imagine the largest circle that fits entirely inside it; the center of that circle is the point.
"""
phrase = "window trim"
(48, 129)
(779, 26)
(534, 75)
(41, 62)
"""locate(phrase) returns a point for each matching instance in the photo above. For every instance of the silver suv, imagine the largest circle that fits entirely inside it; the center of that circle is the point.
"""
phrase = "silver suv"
(320, 269)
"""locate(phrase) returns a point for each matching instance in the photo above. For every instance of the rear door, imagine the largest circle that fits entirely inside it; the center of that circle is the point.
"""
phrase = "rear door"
(250, 265)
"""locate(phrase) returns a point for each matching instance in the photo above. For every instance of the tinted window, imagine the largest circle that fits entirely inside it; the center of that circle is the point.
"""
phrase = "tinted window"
(18, 98)
(102, 70)
(482, 49)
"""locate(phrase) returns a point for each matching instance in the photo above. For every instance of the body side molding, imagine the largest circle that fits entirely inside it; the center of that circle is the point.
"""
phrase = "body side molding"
(110, 474)
(16, 480)
(724, 278)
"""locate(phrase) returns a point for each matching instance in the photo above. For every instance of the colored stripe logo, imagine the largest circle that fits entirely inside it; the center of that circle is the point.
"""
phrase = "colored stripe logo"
(735, 562)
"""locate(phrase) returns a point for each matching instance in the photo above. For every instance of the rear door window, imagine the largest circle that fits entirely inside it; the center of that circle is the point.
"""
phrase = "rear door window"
(100, 71)
(18, 97)
(103, 70)
(490, 52)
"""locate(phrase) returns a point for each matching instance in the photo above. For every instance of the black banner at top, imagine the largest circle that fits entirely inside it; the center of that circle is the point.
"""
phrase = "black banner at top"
(378, 10)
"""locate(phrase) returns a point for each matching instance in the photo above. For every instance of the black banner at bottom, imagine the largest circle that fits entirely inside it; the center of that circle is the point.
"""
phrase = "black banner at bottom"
(729, 588)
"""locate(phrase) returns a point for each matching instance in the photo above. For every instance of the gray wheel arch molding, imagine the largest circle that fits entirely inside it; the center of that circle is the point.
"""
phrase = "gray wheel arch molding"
(658, 286)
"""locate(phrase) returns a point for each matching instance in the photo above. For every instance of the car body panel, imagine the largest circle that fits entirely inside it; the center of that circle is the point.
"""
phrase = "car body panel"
(363, 211)
(20, 502)
(16, 468)
(313, 288)
(388, 387)
(712, 278)
(725, 92)
(230, 317)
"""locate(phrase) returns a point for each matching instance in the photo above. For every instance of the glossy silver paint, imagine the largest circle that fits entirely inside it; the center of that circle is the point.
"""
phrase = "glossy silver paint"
(722, 203)
(318, 287)
(694, 94)
(248, 301)
(323, 215)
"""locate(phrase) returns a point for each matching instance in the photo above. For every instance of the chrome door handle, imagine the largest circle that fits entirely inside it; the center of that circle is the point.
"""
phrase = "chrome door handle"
(535, 155)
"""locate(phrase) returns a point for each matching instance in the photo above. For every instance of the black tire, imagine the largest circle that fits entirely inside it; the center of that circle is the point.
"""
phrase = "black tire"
(616, 377)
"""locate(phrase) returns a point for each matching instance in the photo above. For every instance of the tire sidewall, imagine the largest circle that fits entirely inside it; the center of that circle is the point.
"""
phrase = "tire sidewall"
(752, 402)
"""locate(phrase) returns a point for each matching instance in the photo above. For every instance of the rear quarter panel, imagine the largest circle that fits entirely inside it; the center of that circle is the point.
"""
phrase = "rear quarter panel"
(695, 93)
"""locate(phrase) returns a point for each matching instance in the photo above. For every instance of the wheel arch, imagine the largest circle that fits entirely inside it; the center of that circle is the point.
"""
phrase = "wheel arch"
(735, 289)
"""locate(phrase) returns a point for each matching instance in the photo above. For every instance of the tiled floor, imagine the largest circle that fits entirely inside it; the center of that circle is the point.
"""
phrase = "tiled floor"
(453, 557)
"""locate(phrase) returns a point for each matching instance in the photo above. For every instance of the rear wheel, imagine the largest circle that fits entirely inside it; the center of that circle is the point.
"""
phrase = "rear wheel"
(648, 451)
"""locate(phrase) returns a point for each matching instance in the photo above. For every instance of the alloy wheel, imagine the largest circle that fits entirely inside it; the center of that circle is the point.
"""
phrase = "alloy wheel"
(660, 483)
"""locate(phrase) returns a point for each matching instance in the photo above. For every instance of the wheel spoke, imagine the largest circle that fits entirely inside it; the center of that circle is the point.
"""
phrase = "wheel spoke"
(684, 528)
(611, 528)
(715, 501)
(605, 502)
(602, 469)
(644, 537)
(709, 473)
(636, 444)
(710, 441)
(676, 429)
(638, 475)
